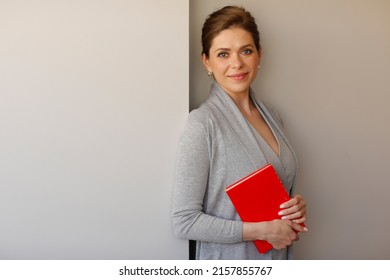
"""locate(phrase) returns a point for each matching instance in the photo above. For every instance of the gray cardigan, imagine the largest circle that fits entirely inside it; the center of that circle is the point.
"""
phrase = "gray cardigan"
(216, 149)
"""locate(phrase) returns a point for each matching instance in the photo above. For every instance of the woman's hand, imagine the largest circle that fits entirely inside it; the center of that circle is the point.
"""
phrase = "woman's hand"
(281, 233)
(294, 210)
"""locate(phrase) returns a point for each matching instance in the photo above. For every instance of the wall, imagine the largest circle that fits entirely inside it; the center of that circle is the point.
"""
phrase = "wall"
(326, 68)
(89, 125)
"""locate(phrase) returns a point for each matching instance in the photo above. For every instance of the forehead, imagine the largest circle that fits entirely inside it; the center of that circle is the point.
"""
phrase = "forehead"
(231, 38)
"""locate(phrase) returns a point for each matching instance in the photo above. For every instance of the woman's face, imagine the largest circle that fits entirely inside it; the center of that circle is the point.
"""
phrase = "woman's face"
(233, 60)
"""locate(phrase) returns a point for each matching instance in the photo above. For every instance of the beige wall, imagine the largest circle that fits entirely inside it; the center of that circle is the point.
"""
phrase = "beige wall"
(93, 96)
(326, 69)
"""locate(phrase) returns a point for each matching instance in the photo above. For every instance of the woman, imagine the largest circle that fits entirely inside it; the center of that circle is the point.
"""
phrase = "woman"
(228, 137)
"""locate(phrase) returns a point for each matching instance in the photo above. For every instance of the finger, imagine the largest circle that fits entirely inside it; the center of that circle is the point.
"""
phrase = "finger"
(300, 220)
(289, 203)
(293, 201)
(301, 208)
(298, 227)
(293, 236)
(293, 209)
(293, 216)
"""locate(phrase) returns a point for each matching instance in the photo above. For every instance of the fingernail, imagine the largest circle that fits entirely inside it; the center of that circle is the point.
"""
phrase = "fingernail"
(280, 213)
(282, 206)
(305, 229)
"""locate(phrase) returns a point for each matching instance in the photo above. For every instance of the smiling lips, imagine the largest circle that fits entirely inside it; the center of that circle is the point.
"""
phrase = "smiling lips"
(238, 77)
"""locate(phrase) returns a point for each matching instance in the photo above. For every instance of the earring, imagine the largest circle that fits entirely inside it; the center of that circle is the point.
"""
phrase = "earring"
(258, 66)
(210, 74)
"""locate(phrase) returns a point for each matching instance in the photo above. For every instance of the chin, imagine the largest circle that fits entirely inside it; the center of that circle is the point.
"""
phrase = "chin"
(239, 88)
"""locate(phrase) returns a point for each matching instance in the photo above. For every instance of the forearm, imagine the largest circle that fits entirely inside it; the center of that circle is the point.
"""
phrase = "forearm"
(254, 231)
(196, 225)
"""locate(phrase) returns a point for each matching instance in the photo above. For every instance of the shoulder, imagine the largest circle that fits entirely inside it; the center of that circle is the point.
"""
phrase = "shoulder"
(200, 115)
(204, 116)
(196, 124)
(203, 126)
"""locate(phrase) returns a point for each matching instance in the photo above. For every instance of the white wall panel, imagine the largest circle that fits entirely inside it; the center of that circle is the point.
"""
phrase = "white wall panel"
(93, 95)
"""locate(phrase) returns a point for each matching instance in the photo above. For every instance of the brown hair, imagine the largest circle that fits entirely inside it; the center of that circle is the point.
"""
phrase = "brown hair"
(225, 18)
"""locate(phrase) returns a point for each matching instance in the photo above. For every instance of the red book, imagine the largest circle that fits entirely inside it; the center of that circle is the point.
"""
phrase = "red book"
(257, 198)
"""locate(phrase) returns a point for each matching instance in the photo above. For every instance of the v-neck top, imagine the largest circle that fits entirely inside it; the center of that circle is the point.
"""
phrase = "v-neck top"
(284, 164)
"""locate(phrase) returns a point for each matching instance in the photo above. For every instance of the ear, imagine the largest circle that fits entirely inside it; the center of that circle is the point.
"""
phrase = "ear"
(260, 52)
(206, 63)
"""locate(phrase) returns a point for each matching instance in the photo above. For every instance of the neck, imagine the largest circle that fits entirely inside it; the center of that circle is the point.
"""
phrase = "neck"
(243, 101)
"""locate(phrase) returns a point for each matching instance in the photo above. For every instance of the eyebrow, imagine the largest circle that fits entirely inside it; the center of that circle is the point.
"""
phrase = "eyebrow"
(227, 49)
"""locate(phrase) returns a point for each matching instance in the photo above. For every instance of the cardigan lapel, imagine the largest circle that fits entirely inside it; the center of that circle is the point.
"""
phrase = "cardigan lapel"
(277, 126)
(239, 125)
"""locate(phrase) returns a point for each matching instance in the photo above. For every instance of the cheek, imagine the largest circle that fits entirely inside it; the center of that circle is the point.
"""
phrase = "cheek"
(253, 62)
(220, 67)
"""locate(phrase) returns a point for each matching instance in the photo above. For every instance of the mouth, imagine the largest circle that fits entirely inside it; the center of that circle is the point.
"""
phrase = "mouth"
(238, 77)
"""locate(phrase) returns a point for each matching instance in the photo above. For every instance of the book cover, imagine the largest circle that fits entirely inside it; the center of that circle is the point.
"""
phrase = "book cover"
(257, 198)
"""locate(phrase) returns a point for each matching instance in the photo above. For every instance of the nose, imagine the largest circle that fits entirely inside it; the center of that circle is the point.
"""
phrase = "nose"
(236, 61)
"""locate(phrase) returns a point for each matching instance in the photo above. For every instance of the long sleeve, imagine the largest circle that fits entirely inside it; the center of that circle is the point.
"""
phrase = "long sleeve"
(191, 184)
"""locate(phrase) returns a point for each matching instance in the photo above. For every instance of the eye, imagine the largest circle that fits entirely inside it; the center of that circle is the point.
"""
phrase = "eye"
(223, 54)
(247, 51)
